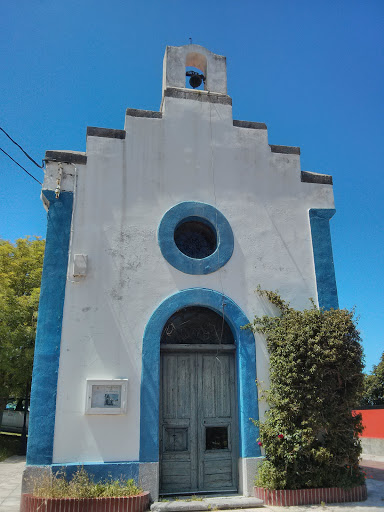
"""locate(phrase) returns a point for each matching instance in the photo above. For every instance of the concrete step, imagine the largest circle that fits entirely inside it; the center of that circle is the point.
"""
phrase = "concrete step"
(194, 504)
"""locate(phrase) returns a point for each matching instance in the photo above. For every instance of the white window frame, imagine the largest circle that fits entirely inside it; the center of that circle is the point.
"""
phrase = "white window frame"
(123, 383)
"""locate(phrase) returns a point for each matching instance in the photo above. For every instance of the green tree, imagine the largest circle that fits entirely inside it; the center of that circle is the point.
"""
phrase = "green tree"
(310, 437)
(373, 393)
(20, 275)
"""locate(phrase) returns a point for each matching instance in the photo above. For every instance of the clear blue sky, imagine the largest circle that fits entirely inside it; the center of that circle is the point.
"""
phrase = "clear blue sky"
(312, 71)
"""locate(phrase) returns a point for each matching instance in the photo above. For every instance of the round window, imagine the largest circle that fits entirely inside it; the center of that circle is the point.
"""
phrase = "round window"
(195, 238)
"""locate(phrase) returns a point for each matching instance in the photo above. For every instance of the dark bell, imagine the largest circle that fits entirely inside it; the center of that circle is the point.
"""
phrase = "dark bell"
(196, 79)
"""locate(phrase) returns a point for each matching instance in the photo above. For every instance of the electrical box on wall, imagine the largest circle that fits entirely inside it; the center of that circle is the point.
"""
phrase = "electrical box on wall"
(80, 264)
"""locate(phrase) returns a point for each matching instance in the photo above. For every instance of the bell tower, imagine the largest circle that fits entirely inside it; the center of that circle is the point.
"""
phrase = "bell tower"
(212, 66)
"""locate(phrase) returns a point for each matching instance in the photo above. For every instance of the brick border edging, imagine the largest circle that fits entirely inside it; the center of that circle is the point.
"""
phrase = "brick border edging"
(139, 503)
(286, 498)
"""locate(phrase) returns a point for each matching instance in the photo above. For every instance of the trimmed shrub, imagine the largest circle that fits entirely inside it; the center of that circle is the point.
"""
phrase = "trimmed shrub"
(310, 437)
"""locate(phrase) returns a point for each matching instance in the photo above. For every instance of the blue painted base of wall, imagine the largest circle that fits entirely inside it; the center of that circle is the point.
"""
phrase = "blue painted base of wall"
(101, 471)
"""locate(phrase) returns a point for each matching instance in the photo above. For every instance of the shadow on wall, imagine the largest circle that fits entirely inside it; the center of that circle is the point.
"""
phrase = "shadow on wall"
(372, 439)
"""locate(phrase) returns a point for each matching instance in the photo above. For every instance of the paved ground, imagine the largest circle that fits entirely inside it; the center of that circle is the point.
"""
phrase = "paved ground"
(11, 471)
(374, 469)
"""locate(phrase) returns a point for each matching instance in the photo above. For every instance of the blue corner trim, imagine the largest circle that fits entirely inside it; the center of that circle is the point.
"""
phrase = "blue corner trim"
(245, 362)
(175, 257)
(48, 335)
(323, 257)
(101, 471)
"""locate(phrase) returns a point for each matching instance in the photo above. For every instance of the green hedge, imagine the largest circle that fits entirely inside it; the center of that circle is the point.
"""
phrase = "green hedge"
(309, 435)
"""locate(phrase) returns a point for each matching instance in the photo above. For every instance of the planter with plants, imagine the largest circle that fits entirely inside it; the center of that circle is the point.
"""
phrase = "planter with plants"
(82, 494)
(309, 436)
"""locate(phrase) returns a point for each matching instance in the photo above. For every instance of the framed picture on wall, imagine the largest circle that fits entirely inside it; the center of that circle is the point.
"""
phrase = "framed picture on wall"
(106, 396)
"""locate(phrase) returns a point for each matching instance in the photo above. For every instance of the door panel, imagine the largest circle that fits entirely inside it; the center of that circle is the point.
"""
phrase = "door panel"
(217, 476)
(198, 434)
(178, 432)
(215, 385)
(217, 417)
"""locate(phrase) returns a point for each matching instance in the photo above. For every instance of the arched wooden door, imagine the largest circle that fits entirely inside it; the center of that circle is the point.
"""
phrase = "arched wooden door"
(198, 416)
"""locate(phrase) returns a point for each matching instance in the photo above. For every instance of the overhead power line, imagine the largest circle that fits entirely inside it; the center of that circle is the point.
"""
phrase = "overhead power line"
(25, 170)
(18, 145)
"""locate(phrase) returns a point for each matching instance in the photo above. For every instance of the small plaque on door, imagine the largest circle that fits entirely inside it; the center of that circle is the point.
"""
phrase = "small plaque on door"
(175, 439)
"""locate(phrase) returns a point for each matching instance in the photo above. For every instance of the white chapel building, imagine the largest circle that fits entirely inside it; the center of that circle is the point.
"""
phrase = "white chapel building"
(158, 236)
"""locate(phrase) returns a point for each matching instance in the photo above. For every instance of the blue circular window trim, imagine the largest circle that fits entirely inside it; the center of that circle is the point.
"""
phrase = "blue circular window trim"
(206, 213)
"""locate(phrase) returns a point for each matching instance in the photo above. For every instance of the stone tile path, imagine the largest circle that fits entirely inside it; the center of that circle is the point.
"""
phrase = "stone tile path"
(11, 471)
(374, 469)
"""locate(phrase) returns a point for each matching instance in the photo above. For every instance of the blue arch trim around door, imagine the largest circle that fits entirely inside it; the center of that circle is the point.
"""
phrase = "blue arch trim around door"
(245, 361)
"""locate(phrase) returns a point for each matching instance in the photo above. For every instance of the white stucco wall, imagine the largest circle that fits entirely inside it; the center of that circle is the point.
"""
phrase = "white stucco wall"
(194, 153)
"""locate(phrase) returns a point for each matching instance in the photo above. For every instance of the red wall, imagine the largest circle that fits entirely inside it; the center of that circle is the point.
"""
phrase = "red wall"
(373, 421)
